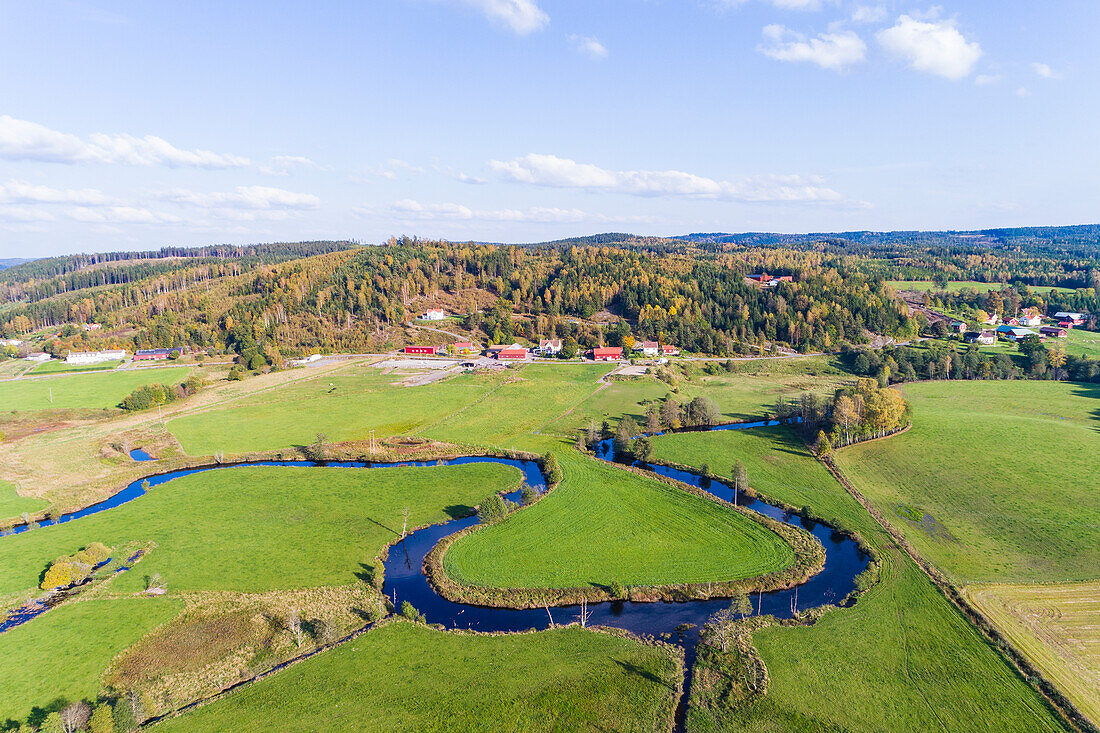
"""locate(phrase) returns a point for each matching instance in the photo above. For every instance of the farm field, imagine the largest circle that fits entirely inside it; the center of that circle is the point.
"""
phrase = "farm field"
(288, 527)
(1080, 342)
(82, 391)
(604, 525)
(12, 504)
(345, 404)
(957, 285)
(64, 652)
(525, 402)
(420, 679)
(928, 667)
(991, 481)
(60, 367)
(1057, 627)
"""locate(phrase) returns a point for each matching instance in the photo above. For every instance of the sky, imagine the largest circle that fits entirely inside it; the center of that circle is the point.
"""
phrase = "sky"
(140, 125)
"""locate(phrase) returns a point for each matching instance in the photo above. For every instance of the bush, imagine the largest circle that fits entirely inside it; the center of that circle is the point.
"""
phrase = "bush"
(235, 375)
(550, 465)
(409, 611)
(148, 396)
(528, 495)
(493, 509)
(67, 571)
(617, 590)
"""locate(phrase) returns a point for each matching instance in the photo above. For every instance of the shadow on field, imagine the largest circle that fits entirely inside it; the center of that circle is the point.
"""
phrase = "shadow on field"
(458, 511)
(644, 673)
(1091, 391)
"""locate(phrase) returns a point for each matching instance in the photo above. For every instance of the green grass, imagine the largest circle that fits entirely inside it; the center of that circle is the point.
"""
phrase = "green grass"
(64, 652)
(12, 504)
(1079, 343)
(605, 525)
(957, 285)
(404, 677)
(901, 659)
(345, 405)
(255, 529)
(528, 401)
(81, 391)
(1004, 473)
(58, 367)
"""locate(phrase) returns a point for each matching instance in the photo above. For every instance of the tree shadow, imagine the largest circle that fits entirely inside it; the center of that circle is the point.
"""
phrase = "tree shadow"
(388, 529)
(459, 511)
(634, 669)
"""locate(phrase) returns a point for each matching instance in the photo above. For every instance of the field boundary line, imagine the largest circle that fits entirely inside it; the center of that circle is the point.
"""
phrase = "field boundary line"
(1058, 702)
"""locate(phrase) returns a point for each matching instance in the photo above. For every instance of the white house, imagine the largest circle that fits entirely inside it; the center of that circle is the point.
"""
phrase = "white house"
(37, 356)
(308, 360)
(550, 347)
(648, 348)
(94, 357)
(11, 342)
(1030, 317)
(433, 314)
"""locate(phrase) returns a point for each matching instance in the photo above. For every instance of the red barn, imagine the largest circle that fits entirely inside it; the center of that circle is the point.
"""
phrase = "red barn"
(422, 350)
(607, 353)
(512, 353)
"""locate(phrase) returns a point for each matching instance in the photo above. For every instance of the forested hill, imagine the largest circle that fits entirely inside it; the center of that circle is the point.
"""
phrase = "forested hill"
(11, 262)
(360, 298)
(25, 270)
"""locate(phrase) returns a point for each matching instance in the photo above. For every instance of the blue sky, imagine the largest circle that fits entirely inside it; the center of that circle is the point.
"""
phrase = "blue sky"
(135, 125)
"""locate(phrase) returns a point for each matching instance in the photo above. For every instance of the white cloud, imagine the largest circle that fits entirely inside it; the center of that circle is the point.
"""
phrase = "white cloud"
(411, 210)
(522, 17)
(1023, 92)
(987, 79)
(869, 14)
(933, 46)
(121, 215)
(282, 165)
(836, 51)
(25, 140)
(555, 172)
(1044, 71)
(24, 214)
(21, 192)
(244, 197)
(590, 46)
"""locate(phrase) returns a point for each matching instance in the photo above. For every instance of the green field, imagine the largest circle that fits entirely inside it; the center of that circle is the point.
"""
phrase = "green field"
(255, 529)
(527, 401)
(902, 659)
(12, 504)
(957, 285)
(64, 652)
(1003, 474)
(404, 677)
(605, 525)
(1079, 343)
(1057, 626)
(345, 405)
(81, 391)
(59, 367)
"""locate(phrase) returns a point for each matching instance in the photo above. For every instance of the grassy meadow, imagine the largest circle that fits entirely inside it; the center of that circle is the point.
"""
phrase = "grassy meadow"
(1080, 343)
(60, 367)
(1057, 626)
(256, 529)
(96, 390)
(406, 677)
(64, 652)
(605, 525)
(992, 483)
(12, 504)
(902, 658)
(345, 404)
(955, 286)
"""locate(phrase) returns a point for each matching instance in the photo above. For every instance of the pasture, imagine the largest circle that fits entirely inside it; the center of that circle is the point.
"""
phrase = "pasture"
(12, 504)
(604, 525)
(1080, 342)
(992, 483)
(901, 659)
(60, 367)
(407, 677)
(955, 286)
(64, 652)
(95, 390)
(256, 529)
(1058, 628)
(345, 404)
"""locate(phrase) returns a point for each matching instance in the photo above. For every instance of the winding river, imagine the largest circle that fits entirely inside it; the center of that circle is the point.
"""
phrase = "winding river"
(405, 580)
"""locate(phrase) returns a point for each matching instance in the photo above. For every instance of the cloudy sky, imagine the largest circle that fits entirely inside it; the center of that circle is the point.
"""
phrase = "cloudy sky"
(127, 125)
